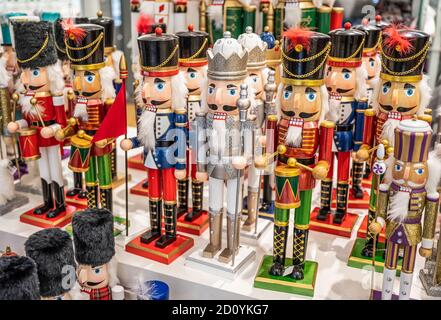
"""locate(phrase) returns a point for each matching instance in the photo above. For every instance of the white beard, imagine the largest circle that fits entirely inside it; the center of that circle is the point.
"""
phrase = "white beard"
(28, 108)
(146, 129)
(388, 131)
(334, 107)
(80, 111)
(218, 137)
(294, 136)
(398, 206)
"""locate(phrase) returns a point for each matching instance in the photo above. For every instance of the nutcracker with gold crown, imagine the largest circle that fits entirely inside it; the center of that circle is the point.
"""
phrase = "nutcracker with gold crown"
(94, 95)
(302, 138)
(229, 15)
(401, 204)
(345, 80)
(401, 93)
(43, 115)
(193, 63)
(162, 133)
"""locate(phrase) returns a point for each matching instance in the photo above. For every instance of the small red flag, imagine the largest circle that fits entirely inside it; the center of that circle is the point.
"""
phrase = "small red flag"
(115, 122)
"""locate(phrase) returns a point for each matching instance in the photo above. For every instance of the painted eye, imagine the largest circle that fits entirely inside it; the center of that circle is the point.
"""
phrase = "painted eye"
(192, 75)
(287, 94)
(232, 92)
(90, 78)
(372, 64)
(311, 96)
(347, 75)
(255, 79)
(385, 89)
(398, 167)
(35, 73)
(97, 271)
(410, 92)
(160, 86)
(210, 90)
(419, 171)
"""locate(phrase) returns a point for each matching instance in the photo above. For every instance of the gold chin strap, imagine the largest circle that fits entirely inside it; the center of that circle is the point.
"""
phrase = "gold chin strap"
(46, 41)
(95, 43)
(352, 56)
(324, 52)
(197, 52)
(163, 63)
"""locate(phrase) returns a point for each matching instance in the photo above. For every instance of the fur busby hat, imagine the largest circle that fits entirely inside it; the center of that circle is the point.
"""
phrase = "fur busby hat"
(34, 44)
(93, 236)
(52, 250)
(59, 40)
(18, 278)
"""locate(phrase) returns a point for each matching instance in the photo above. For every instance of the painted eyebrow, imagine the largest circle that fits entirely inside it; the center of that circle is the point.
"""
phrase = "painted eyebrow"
(191, 70)
(310, 90)
(409, 86)
(346, 70)
(88, 73)
(388, 84)
(212, 85)
(253, 74)
(231, 86)
(288, 88)
(371, 59)
(158, 80)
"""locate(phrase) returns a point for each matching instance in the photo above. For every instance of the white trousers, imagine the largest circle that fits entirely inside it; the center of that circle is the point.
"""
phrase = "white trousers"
(50, 165)
(216, 195)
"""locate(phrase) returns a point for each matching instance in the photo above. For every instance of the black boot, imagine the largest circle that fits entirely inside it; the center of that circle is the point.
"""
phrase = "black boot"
(357, 177)
(197, 188)
(300, 241)
(92, 197)
(325, 200)
(342, 203)
(267, 196)
(145, 185)
(60, 206)
(368, 249)
(78, 185)
(182, 197)
(155, 222)
(47, 197)
(367, 171)
(170, 221)
(279, 250)
(107, 199)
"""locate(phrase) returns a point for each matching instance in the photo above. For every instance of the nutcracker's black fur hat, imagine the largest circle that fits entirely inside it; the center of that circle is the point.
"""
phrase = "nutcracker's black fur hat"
(18, 278)
(30, 44)
(52, 250)
(93, 236)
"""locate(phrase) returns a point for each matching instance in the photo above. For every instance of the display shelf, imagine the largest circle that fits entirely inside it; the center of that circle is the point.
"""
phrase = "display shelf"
(335, 280)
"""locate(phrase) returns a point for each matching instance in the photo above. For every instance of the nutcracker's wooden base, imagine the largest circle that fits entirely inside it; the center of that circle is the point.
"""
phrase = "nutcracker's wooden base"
(343, 230)
(362, 231)
(139, 190)
(285, 283)
(377, 296)
(196, 227)
(353, 203)
(267, 214)
(166, 255)
(136, 162)
(77, 202)
(367, 183)
(43, 222)
(357, 260)
(119, 180)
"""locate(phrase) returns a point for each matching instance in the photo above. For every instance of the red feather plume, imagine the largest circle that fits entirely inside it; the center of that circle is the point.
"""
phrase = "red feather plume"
(73, 32)
(396, 41)
(144, 24)
(299, 36)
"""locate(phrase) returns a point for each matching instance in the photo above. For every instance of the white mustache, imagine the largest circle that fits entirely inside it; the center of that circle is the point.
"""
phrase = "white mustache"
(409, 183)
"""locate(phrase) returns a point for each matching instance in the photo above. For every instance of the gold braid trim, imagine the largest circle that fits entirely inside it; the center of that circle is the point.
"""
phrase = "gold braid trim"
(163, 63)
(97, 41)
(425, 49)
(352, 56)
(197, 52)
(46, 41)
(403, 73)
(85, 47)
(325, 49)
(307, 75)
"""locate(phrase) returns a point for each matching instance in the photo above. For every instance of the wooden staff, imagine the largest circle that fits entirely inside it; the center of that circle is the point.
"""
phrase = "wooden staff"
(124, 75)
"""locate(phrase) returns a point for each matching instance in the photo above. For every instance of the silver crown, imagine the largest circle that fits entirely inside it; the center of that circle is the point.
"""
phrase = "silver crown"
(256, 48)
(227, 60)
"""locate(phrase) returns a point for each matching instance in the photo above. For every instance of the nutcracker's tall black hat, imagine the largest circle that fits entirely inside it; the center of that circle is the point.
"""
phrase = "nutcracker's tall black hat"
(159, 54)
(85, 46)
(18, 278)
(34, 44)
(193, 46)
(403, 54)
(59, 40)
(347, 47)
(93, 236)
(372, 40)
(81, 20)
(52, 251)
(304, 56)
(109, 29)
(380, 23)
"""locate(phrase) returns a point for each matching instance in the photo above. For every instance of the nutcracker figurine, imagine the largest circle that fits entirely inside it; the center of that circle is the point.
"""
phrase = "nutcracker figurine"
(18, 278)
(257, 79)
(345, 80)
(402, 92)
(402, 203)
(193, 63)
(94, 252)
(161, 131)
(303, 138)
(94, 95)
(273, 53)
(42, 108)
(52, 251)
